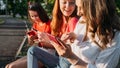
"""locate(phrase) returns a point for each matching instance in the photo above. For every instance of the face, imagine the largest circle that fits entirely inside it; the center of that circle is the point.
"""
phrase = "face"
(80, 11)
(67, 7)
(34, 16)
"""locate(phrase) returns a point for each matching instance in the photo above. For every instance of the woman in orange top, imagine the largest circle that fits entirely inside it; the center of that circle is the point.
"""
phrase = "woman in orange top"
(40, 22)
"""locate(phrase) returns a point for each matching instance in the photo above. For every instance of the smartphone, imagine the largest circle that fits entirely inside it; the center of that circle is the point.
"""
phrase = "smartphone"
(60, 42)
(51, 37)
(31, 33)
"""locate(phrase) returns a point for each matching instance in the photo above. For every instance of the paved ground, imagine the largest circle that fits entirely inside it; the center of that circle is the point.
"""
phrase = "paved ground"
(12, 33)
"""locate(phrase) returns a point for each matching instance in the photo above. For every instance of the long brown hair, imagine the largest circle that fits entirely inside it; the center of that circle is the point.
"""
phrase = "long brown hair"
(57, 19)
(102, 20)
(35, 6)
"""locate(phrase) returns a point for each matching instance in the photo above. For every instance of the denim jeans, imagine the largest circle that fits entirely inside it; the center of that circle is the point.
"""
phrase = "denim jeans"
(36, 54)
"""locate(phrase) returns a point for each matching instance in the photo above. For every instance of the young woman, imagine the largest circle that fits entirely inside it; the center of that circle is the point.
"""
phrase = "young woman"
(63, 21)
(40, 23)
(97, 43)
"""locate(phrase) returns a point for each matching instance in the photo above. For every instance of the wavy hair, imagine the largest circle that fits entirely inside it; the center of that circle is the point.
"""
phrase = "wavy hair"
(102, 20)
(57, 19)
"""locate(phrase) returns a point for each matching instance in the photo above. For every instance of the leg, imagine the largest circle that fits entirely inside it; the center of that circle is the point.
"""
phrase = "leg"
(36, 53)
(20, 63)
(63, 63)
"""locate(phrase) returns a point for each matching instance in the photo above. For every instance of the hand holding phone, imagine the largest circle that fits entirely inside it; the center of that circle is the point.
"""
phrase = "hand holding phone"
(33, 33)
(62, 48)
(60, 42)
(51, 37)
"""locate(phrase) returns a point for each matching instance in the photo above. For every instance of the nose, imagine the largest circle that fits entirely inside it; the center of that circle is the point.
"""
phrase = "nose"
(67, 5)
(78, 12)
(34, 18)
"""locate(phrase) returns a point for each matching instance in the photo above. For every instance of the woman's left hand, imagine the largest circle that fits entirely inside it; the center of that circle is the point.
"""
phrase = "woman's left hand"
(43, 38)
(65, 51)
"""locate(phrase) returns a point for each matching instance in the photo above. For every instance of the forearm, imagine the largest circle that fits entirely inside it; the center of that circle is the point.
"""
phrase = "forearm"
(47, 45)
(76, 62)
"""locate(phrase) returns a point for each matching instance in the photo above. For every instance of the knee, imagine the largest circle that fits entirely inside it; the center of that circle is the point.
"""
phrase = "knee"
(7, 66)
(10, 66)
(31, 50)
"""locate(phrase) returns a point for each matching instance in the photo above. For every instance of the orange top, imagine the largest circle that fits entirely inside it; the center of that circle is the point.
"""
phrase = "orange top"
(42, 28)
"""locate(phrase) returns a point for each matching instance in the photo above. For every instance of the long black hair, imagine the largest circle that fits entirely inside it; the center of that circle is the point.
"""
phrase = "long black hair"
(35, 6)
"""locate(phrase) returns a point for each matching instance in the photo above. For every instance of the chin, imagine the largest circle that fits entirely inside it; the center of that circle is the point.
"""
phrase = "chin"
(67, 15)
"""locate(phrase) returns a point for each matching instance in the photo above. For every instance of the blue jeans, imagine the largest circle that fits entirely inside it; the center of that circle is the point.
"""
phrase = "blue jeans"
(36, 54)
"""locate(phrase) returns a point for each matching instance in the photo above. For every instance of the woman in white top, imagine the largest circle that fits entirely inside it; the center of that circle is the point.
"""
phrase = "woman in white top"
(97, 43)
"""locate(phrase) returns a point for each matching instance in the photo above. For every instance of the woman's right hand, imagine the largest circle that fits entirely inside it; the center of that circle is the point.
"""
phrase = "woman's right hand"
(44, 39)
(32, 39)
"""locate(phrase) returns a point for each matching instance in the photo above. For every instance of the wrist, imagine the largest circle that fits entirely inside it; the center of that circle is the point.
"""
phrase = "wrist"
(73, 59)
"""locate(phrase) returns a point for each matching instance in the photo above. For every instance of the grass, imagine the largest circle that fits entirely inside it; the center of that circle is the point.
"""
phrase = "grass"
(1, 21)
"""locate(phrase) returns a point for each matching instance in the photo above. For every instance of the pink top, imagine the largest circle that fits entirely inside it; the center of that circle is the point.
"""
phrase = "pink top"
(69, 27)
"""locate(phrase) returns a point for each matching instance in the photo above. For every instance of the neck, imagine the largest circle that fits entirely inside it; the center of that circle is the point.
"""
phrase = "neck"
(66, 18)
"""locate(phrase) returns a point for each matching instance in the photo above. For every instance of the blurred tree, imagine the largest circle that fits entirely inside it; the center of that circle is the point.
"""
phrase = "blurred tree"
(47, 5)
(118, 3)
(118, 6)
(16, 7)
(20, 7)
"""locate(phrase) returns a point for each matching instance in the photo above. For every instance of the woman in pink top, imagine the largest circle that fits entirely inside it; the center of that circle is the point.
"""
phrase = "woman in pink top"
(64, 17)
(64, 20)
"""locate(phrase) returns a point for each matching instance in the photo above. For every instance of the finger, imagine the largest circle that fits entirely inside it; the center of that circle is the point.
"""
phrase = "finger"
(56, 46)
(65, 37)
(61, 42)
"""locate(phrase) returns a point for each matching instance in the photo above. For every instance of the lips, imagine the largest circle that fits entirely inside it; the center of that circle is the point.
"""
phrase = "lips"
(67, 11)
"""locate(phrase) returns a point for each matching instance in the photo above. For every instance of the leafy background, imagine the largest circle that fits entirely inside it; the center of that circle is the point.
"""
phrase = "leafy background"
(16, 6)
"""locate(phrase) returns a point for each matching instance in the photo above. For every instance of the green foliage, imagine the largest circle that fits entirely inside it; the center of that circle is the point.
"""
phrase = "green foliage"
(48, 6)
(16, 7)
(118, 3)
(118, 6)
(1, 21)
(21, 7)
